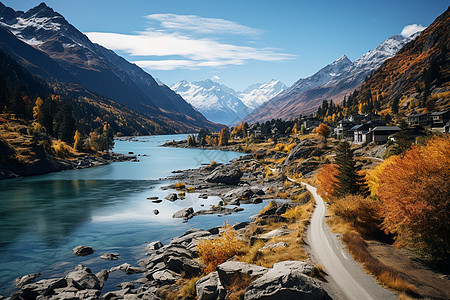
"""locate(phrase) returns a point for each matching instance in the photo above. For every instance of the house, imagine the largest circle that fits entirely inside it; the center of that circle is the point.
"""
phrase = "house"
(380, 134)
(254, 130)
(420, 119)
(310, 123)
(360, 133)
(440, 118)
(361, 119)
(343, 129)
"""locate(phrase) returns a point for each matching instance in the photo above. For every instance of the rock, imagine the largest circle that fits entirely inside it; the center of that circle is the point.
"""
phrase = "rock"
(237, 209)
(84, 278)
(259, 192)
(203, 196)
(183, 264)
(232, 271)
(274, 245)
(176, 251)
(187, 238)
(257, 200)
(103, 275)
(172, 197)
(282, 209)
(82, 250)
(166, 276)
(286, 280)
(21, 281)
(186, 213)
(302, 150)
(156, 212)
(152, 198)
(110, 256)
(276, 232)
(154, 245)
(227, 175)
(44, 287)
(157, 201)
(241, 193)
(263, 220)
(241, 225)
(235, 202)
(210, 288)
(126, 285)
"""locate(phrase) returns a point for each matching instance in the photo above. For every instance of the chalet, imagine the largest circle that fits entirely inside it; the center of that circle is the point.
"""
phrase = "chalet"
(420, 119)
(380, 134)
(310, 123)
(255, 131)
(360, 133)
(440, 118)
(361, 119)
(343, 129)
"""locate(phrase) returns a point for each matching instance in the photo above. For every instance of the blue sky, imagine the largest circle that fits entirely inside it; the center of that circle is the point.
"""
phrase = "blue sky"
(239, 43)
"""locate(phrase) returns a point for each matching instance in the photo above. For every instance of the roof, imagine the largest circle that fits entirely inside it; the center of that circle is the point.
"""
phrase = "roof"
(386, 128)
(438, 113)
(418, 115)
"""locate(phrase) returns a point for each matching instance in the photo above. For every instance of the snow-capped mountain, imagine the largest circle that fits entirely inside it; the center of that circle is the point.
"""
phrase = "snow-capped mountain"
(259, 93)
(94, 67)
(218, 103)
(331, 83)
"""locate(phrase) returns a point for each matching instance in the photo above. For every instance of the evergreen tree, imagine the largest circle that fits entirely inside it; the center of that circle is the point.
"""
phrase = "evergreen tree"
(348, 179)
(395, 104)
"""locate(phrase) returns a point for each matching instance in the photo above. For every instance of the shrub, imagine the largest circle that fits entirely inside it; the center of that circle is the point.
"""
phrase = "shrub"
(295, 213)
(180, 186)
(190, 189)
(215, 251)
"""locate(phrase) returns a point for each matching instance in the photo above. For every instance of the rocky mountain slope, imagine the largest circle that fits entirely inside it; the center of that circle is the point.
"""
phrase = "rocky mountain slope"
(331, 83)
(76, 60)
(257, 94)
(418, 75)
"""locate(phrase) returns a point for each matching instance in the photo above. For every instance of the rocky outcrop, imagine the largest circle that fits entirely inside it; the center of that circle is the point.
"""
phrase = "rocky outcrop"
(286, 280)
(21, 281)
(231, 272)
(210, 287)
(171, 197)
(110, 256)
(185, 213)
(227, 175)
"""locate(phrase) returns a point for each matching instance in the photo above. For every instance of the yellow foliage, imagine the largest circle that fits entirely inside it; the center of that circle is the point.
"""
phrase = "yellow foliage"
(295, 213)
(180, 186)
(190, 189)
(215, 251)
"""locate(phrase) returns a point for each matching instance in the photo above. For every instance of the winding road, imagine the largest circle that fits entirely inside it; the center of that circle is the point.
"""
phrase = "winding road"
(348, 276)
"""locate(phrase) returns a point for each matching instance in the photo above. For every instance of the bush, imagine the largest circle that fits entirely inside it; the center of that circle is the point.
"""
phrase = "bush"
(218, 250)
(180, 186)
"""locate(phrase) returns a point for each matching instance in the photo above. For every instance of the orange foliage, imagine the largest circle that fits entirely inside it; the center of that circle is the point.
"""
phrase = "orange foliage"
(414, 190)
(327, 181)
(218, 250)
(323, 130)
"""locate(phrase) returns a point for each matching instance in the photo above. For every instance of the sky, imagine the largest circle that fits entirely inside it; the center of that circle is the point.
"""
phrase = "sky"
(240, 42)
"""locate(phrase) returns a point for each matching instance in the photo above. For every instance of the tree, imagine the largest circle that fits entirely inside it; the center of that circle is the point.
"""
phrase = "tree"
(64, 124)
(349, 181)
(414, 192)
(324, 131)
(78, 141)
(224, 136)
(327, 182)
(395, 103)
(191, 140)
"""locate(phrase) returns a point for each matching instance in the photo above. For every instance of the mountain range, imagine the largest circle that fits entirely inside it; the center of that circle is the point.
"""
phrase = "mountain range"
(46, 44)
(222, 104)
(330, 83)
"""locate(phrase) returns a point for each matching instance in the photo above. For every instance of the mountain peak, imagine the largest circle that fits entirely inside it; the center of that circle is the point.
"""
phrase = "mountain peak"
(342, 60)
(41, 9)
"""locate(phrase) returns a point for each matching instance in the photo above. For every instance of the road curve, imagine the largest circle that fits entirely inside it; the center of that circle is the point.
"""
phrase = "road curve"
(346, 273)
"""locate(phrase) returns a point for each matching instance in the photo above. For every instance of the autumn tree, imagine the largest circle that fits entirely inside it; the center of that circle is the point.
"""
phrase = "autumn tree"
(349, 181)
(191, 140)
(414, 191)
(324, 131)
(78, 141)
(327, 181)
(224, 137)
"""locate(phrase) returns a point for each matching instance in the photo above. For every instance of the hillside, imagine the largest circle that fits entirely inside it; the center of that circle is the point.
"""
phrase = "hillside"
(418, 76)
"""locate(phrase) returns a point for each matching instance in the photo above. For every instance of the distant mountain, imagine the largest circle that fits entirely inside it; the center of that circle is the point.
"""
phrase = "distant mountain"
(76, 60)
(418, 76)
(330, 83)
(217, 102)
(259, 93)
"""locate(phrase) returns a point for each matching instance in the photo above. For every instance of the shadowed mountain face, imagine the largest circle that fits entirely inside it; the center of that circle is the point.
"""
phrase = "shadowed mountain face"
(60, 52)
(331, 83)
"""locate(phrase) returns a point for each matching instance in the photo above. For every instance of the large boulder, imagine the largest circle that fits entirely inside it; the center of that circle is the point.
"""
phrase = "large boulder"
(228, 175)
(82, 278)
(166, 277)
(82, 250)
(21, 281)
(183, 264)
(186, 238)
(276, 232)
(185, 213)
(286, 280)
(171, 197)
(231, 272)
(301, 150)
(210, 288)
(154, 245)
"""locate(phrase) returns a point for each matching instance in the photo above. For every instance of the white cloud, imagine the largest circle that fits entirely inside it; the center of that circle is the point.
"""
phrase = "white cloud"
(197, 24)
(192, 52)
(215, 77)
(409, 30)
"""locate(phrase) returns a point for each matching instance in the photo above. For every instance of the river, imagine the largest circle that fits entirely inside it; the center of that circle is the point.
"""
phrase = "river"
(43, 217)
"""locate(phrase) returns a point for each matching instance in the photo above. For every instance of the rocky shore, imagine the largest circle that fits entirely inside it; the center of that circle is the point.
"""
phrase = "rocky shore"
(47, 164)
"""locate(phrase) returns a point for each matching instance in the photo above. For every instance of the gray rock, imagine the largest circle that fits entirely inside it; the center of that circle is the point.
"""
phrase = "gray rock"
(183, 264)
(103, 275)
(232, 271)
(172, 197)
(21, 281)
(274, 245)
(242, 193)
(154, 245)
(203, 196)
(282, 208)
(157, 201)
(259, 192)
(156, 212)
(257, 200)
(82, 250)
(125, 285)
(238, 209)
(176, 251)
(165, 277)
(302, 150)
(83, 277)
(152, 198)
(186, 213)
(110, 256)
(210, 288)
(241, 225)
(187, 238)
(227, 175)
(276, 232)
(286, 280)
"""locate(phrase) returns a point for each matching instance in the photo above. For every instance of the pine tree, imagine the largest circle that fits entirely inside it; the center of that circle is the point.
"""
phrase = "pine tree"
(348, 179)
(78, 141)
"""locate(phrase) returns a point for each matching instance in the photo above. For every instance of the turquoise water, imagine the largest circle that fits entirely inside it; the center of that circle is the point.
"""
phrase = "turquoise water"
(43, 217)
